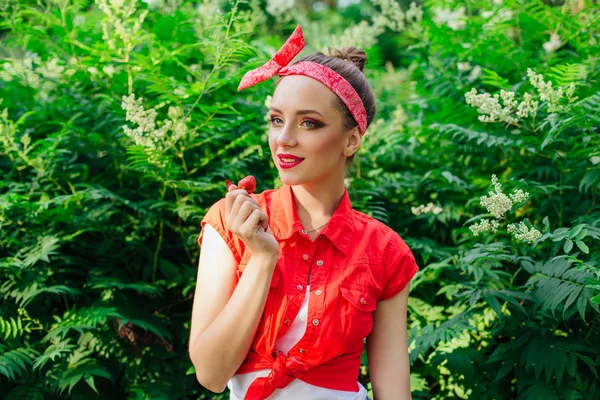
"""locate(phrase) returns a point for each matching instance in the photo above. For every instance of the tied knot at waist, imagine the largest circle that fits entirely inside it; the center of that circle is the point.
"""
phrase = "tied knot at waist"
(282, 374)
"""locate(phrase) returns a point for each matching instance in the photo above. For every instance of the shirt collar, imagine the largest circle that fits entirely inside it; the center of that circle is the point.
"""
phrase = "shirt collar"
(284, 219)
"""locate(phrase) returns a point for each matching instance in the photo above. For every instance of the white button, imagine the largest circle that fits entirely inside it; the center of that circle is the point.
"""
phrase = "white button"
(318, 292)
(315, 322)
(299, 287)
(362, 301)
(320, 236)
(305, 257)
(304, 231)
(301, 351)
(319, 263)
(286, 322)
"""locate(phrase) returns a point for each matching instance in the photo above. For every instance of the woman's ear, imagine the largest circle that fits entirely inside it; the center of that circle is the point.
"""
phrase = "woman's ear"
(354, 141)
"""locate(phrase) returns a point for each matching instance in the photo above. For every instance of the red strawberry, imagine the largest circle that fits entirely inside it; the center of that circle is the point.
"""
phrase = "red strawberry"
(248, 183)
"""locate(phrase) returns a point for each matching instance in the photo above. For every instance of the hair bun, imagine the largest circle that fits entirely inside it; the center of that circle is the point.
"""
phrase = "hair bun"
(352, 54)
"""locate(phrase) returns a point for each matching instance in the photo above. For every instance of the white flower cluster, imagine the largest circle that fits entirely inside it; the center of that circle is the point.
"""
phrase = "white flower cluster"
(364, 34)
(498, 204)
(523, 233)
(32, 71)
(7, 131)
(484, 225)
(393, 17)
(164, 6)
(466, 66)
(454, 19)
(148, 134)
(278, 8)
(549, 95)
(119, 16)
(553, 44)
(492, 111)
(512, 111)
(429, 208)
(268, 100)
(23, 68)
(208, 12)
(399, 118)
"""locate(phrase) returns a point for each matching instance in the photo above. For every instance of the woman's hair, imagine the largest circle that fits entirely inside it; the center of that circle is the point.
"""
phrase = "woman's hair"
(349, 62)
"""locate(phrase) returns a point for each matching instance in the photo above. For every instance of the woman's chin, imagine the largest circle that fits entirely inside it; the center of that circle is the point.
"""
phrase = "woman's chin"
(290, 179)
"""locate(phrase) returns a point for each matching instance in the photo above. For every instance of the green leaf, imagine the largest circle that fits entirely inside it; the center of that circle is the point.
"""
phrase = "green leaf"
(14, 363)
(546, 223)
(191, 370)
(581, 305)
(89, 379)
(568, 246)
(492, 78)
(582, 234)
(588, 180)
(576, 230)
(494, 303)
(583, 247)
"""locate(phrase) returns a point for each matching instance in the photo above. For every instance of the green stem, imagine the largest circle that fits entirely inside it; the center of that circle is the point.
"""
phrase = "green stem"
(561, 200)
(217, 65)
(161, 226)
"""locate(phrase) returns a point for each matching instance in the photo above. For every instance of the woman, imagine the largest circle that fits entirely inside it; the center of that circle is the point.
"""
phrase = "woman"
(291, 281)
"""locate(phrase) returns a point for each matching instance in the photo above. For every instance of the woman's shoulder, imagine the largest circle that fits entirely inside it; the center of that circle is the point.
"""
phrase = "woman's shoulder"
(373, 228)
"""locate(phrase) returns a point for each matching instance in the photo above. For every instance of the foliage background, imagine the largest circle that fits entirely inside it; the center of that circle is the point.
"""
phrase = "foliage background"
(101, 194)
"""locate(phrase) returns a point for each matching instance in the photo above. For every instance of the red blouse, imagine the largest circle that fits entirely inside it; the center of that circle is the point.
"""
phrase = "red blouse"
(354, 262)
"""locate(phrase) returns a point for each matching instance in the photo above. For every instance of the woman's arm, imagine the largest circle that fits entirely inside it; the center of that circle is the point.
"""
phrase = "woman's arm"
(225, 317)
(387, 350)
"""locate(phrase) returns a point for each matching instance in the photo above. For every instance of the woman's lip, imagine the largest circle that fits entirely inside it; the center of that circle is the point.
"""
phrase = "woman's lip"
(282, 157)
(285, 165)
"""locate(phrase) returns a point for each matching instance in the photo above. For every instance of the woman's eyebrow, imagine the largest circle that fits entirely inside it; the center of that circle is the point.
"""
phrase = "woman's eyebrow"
(299, 112)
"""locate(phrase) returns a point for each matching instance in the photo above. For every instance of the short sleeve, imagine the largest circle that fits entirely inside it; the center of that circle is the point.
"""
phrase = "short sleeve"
(400, 268)
(215, 217)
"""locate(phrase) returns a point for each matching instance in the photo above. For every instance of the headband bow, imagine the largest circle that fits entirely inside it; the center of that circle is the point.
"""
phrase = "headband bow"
(334, 81)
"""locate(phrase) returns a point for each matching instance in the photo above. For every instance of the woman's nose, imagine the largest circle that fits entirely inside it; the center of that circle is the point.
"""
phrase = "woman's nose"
(286, 136)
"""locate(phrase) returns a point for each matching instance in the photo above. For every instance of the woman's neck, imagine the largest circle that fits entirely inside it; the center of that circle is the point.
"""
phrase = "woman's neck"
(316, 204)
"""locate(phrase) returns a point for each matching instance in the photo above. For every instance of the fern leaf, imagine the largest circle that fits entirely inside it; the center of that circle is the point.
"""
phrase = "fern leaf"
(13, 363)
(112, 283)
(84, 369)
(26, 296)
(558, 286)
(491, 78)
(461, 134)
(12, 328)
(566, 74)
(431, 335)
(53, 351)
(45, 247)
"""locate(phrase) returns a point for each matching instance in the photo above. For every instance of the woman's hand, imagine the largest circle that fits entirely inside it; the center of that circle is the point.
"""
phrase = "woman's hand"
(245, 218)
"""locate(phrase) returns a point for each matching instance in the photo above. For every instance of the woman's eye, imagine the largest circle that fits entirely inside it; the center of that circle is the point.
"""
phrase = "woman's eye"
(314, 125)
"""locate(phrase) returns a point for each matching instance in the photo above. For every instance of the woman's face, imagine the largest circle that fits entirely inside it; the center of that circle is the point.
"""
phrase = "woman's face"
(317, 136)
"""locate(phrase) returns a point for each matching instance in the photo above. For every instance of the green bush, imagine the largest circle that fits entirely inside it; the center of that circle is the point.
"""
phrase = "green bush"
(120, 120)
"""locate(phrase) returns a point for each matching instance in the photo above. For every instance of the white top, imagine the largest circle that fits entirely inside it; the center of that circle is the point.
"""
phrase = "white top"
(297, 389)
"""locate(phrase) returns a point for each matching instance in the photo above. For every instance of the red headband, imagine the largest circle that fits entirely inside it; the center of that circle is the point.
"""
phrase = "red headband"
(325, 75)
